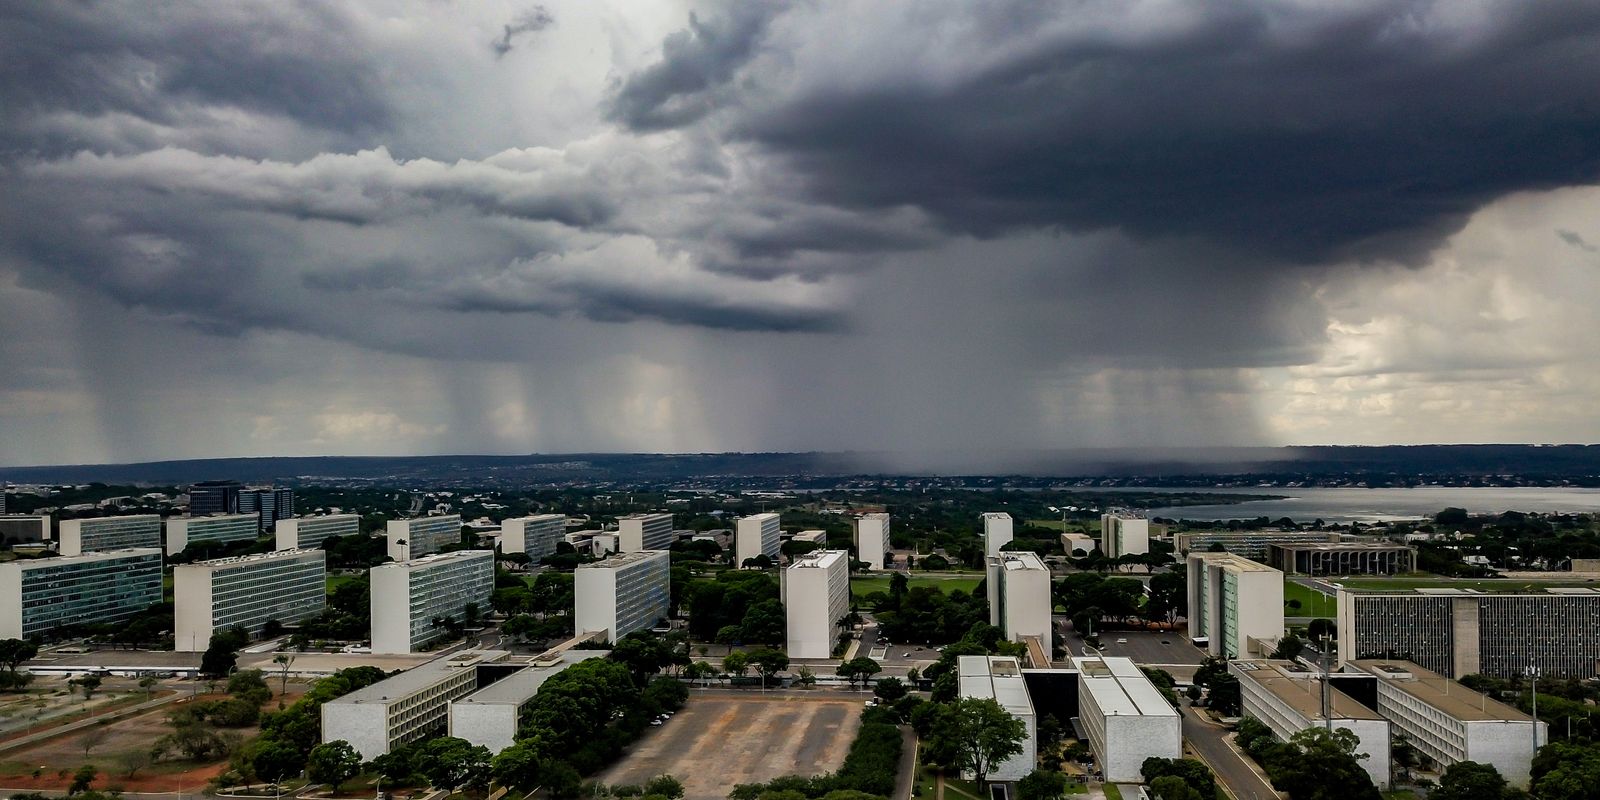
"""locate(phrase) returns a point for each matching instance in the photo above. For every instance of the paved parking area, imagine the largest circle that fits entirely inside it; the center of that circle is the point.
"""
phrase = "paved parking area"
(722, 738)
(1146, 647)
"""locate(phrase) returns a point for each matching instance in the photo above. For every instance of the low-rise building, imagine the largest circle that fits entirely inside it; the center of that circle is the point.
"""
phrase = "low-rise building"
(1341, 558)
(39, 595)
(1126, 717)
(308, 533)
(1235, 604)
(1020, 601)
(286, 586)
(625, 593)
(535, 535)
(1249, 544)
(816, 597)
(492, 715)
(410, 599)
(1289, 699)
(872, 538)
(756, 535)
(637, 532)
(100, 534)
(185, 531)
(813, 536)
(999, 678)
(420, 536)
(407, 707)
(32, 529)
(1077, 545)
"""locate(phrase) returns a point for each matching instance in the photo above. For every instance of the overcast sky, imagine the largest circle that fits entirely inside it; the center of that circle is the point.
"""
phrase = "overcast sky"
(232, 229)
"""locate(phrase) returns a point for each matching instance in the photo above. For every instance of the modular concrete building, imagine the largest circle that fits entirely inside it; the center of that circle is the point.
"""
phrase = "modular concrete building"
(1289, 699)
(1250, 544)
(287, 586)
(625, 593)
(100, 534)
(1457, 632)
(411, 598)
(756, 535)
(1019, 597)
(1341, 558)
(407, 707)
(39, 595)
(1450, 723)
(31, 529)
(185, 531)
(1077, 545)
(999, 678)
(536, 536)
(639, 532)
(997, 532)
(420, 536)
(1124, 533)
(816, 596)
(308, 533)
(492, 715)
(872, 538)
(1126, 717)
(812, 536)
(1235, 604)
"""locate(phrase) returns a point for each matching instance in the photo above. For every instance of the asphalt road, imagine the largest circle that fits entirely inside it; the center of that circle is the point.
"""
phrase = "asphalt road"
(1148, 648)
(1231, 766)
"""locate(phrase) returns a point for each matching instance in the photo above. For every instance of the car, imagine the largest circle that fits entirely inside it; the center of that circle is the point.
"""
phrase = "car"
(1122, 641)
(655, 723)
(905, 655)
(873, 703)
(1164, 641)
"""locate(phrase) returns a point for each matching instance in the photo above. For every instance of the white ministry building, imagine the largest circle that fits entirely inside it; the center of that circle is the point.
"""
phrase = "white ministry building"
(184, 531)
(99, 534)
(289, 586)
(1124, 533)
(637, 532)
(492, 715)
(406, 707)
(1235, 604)
(996, 531)
(756, 535)
(38, 595)
(407, 596)
(308, 533)
(872, 538)
(536, 536)
(1019, 597)
(1450, 723)
(1127, 718)
(1288, 699)
(999, 678)
(622, 594)
(420, 536)
(816, 595)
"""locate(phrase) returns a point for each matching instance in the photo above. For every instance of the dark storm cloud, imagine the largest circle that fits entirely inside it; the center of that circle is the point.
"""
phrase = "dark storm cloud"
(1572, 238)
(1292, 132)
(532, 21)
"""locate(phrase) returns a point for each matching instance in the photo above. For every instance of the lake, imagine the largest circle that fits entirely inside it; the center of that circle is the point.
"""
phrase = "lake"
(1377, 505)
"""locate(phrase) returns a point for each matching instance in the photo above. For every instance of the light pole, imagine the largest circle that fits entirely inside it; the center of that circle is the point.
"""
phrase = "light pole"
(1533, 675)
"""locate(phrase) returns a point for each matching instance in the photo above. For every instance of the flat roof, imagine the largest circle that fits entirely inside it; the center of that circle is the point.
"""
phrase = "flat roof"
(98, 555)
(1448, 696)
(647, 515)
(624, 559)
(1121, 689)
(995, 515)
(520, 687)
(1335, 547)
(817, 559)
(435, 558)
(232, 560)
(411, 681)
(1485, 591)
(996, 677)
(1231, 560)
(1300, 689)
(875, 515)
(1020, 560)
(204, 517)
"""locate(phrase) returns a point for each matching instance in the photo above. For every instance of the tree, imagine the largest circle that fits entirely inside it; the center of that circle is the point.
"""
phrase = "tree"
(148, 684)
(333, 763)
(250, 686)
(518, 767)
(273, 760)
(1404, 753)
(1041, 785)
(805, 677)
(1470, 780)
(450, 763)
(283, 660)
(859, 668)
(82, 779)
(1223, 696)
(889, 689)
(1289, 647)
(1172, 787)
(736, 663)
(221, 654)
(131, 761)
(1191, 773)
(644, 654)
(664, 786)
(1321, 627)
(87, 684)
(12, 653)
(982, 734)
(1319, 764)
(94, 737)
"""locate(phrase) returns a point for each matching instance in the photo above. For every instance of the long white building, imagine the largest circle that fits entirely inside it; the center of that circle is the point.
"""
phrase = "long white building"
(625, 593)
(756, 535)
(409, 596)
(1019, 597)
(28, 529)
(1124, 533)
(816, 596)
(492, 715)
(38, 595)
(1450, 723)
(407, 707)
(99, 534)
(308, 533)
(1235, 604)
(184, 531)
(288, 586)
(537, 535)
(872, 538)
(637, 532)
(1126, 717)
(420, 536)
(997, 532)
(1289, 699)
(999, 678)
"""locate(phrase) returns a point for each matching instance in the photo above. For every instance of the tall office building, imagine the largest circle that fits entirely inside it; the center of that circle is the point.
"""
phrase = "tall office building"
(185, 531)
(637, 532)
(816, 597)
(872, 538)
(1457, 632)
(419, 536)
(269, 504)
(999, 678)
(996, 532)
(1019, 597)
(756, 535)
(1124, 533)
(622, 594)
(98, 534)
(40, 595)
(1126, 718)
(288, 586)
(1234, 603)
(308, 533)
(411, 598)
(537, 536)
(214, 497)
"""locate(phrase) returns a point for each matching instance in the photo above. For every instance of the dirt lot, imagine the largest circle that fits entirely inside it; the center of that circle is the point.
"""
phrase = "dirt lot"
(724, 738)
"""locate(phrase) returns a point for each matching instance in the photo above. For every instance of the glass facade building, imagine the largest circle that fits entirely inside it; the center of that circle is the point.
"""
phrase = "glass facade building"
(38, 596)
(288, 586)
(99, 534)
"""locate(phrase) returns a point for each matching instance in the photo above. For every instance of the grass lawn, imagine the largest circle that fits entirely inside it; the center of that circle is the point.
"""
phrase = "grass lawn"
(1488, 585)
(1312, 602)
(1400, 794)
(335, 581)
(1112, 792)
(861, 587)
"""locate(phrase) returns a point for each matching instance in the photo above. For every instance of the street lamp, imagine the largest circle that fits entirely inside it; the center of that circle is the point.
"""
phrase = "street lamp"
(1533, 674)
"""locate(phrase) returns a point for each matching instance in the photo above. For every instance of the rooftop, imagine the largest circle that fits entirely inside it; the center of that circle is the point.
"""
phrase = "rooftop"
(1231, 561)
(1121, 689)
(1449, 696)
(437, 558)
(414, 680)
(650, 515)
(1301, 689)
(997, 677)
(818, 559)
(875, 515)
(254, 557)
(520, 687)
(625, 559)
(102, 555)
(1020, 560)
(995, 515)
(212, 518)
(1339, 547)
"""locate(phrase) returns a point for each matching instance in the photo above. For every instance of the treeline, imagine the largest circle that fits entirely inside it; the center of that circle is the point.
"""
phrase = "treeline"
(868, 771)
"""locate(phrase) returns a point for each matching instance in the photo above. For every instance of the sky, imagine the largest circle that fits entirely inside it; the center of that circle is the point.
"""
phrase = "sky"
(275, 228)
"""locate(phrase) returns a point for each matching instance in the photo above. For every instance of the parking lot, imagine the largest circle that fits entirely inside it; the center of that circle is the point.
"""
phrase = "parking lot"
(722, 738)
(1146, 647)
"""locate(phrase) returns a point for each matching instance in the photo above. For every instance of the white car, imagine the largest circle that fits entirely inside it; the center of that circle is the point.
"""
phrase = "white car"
(1122, 641)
